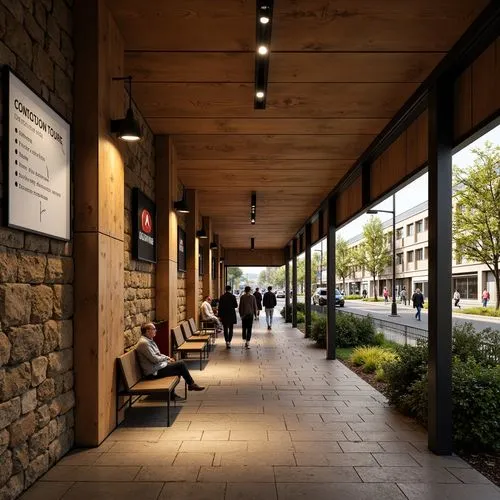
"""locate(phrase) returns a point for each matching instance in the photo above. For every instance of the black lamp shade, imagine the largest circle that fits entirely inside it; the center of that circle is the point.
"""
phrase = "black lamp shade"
(201, 234)
(127, 129)
(181, 206)
(213, 246)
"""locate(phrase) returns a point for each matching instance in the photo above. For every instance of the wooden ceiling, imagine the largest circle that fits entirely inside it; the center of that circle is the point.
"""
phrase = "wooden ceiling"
(339, 71)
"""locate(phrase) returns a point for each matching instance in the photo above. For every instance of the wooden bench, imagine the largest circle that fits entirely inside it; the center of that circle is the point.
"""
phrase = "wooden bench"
(188, 334)
(183, 347)
(195, 332)
(133, 383)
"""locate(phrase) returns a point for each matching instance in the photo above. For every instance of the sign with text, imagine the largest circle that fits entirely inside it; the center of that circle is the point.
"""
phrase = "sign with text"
(38, 163)
(181, 249)
(143, 227)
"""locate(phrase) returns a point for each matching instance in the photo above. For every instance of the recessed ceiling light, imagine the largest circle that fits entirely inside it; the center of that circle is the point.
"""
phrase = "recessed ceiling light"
(262, 50)
(264, 19)
(259, 94)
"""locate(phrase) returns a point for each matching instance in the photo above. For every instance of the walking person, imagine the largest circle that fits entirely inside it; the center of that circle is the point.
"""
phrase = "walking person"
(258, 298)
(456, 298)
(248, 310)
(227, 314)
(386, 295)
(486, 297)
(269, 304)
(403, 295)
(418, 303)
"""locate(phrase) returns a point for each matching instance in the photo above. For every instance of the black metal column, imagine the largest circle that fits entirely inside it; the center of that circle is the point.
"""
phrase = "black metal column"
(330, 282)
(307, 296)
(294, 284)
(440, 259)
(288, 312)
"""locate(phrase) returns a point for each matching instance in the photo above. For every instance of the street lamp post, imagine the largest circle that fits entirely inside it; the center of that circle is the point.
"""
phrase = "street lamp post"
(394, 306)
(320, 265)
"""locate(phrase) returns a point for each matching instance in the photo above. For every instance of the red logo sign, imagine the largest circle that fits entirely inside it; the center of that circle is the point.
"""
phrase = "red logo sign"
(146, 221)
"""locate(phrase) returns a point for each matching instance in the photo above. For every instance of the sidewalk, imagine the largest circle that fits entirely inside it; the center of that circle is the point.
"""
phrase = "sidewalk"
(278, 421)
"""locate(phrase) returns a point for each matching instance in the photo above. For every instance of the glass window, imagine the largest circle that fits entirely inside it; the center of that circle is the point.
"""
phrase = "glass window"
(399, 259)
(419, 225)
(409, 256)
(399, 233)
(466, 286)
(426, 223)
(409, 230)
(419, 254)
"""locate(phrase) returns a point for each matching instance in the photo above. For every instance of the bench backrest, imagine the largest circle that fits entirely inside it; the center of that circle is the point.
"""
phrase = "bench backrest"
(130, 369)
(186, 330)
(192, 325)
(177, 336)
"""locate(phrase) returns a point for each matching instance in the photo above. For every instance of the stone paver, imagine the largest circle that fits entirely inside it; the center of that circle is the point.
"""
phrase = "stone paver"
(276, 422)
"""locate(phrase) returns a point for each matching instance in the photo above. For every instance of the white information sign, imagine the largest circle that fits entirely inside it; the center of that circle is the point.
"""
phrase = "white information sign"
(38, 164)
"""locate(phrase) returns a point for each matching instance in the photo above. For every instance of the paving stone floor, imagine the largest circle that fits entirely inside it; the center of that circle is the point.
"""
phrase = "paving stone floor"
(277, 421)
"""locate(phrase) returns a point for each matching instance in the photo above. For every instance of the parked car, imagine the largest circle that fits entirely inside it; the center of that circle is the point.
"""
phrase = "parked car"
(280, 294)
(320, 297)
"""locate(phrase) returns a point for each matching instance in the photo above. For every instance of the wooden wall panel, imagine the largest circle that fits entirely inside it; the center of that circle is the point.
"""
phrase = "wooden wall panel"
(477, 92)
(416, 143)
(258, 257)
(315, 231)
(349, 201)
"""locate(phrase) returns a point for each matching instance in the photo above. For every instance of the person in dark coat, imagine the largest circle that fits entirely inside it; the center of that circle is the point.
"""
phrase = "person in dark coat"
(269, 303)
(258, 298)
(418, 302)
(227, 314)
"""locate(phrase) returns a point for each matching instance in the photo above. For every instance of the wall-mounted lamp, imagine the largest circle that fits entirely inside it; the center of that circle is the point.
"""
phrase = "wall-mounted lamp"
(252, 243)
(127, 129)
(221, 260)
(202, 234)
(213, 246)
(181, 205)
(253, 207)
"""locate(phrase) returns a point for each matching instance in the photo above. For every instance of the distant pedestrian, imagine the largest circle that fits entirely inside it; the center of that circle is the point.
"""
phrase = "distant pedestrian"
(258, 298)
(456, 298)
(386, 294)
(486, 297)
(269, 304)
(418, 303)
(227, 314)
(248, 310)
(365, 293)
(403, 295)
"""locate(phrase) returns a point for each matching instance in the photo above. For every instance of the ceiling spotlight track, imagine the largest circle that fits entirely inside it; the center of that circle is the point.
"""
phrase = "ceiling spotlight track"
(264, 24)
(253, 207)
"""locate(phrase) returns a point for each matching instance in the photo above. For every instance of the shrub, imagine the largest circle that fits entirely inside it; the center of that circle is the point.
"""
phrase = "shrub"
(318, 331)
(354, 331)
(353, 297)
(301, 318)
(371, 358)
(481, 311)
(379, 339)
(476, 405)
(409, 367)
(467, 343)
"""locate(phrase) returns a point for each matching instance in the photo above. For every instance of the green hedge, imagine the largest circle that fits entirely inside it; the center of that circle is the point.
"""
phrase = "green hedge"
(475, 391)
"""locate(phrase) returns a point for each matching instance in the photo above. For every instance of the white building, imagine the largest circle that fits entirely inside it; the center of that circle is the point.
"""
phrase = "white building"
(412, 253)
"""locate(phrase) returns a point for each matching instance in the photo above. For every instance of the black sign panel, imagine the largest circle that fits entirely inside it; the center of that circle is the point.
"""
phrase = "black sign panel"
(181, 249)
(143, 227)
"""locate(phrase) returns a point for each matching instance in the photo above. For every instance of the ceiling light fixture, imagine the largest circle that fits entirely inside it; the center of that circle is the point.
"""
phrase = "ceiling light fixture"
(263, 21)
(202, 234)
(127, 129)
(213, 246)
(253, 207)
(181, 205)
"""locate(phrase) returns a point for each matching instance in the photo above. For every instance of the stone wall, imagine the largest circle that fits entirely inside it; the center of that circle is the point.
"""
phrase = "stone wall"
(36, 272)
(139, 160)
(181, 277)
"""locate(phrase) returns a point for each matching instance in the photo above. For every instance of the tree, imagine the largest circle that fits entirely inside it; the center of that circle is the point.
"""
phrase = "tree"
(476, 222)
(374, 253)
(343, 260)
(234, 275)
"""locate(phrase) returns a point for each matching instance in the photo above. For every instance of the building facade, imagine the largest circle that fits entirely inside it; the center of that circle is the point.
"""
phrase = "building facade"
(412, 254)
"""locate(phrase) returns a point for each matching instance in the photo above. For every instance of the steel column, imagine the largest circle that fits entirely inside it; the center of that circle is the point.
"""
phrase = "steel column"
(440, 262)
(294, 283)
(287, 284)
(307, 296)
(330, 282)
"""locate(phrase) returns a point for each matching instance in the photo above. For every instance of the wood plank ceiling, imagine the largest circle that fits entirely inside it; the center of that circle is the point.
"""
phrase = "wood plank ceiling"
(339, 70)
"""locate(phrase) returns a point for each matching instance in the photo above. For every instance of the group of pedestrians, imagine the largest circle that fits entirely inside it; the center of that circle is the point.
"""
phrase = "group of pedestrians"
(249, 309)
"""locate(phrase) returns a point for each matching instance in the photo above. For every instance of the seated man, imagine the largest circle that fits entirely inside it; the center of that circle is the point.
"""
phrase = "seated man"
(154, 364)
(207, 313)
